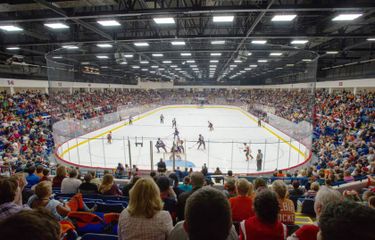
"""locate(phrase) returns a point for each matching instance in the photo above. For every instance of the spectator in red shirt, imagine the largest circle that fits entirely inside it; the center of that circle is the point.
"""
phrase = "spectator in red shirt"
(242, 204)
(109, 187)
(265, 223)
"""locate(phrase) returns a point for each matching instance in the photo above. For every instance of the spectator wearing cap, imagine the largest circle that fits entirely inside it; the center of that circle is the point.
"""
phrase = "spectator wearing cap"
(70, 184)
(207, 216)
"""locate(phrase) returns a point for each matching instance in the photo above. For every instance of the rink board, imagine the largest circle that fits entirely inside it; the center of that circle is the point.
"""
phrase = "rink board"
(233, 126)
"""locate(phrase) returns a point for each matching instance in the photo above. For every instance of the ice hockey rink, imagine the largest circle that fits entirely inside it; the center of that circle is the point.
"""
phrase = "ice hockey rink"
(224, 145)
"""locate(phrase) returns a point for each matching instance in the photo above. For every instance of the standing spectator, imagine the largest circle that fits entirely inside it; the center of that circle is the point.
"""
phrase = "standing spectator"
(45, 175)
(179, 173)
(217, 172)
(287, 210)
(259, 159)
(174, 181)
(31, 179)
(197, 181)
(109, 187)
(70, 184)
(87, 187)
(162, 167)
(10, 197)
(242, 204)
(207, 216)
(60, 175)
(120, 171)
(346, 221)
(144, 218)
(265, 224)
(204, 170)
(324, 197)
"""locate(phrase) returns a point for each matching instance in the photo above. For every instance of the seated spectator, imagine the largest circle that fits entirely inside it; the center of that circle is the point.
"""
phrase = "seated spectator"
(314, 188)
(280, 174)
(87, 187)
(39, 171)
(371, 202)
(259, 185)
(45, 176)
(94, 179)
(162, 167)
(32, 225)
(230, 188)
(154, 175)
(348, 177)
(42, 199)
(287, 211)
(70, 184)
(265, 224)
(60, 175)
(186, 186)
(10, 197)
(324, 196)
(197, 181)
(109, 187)
(144, 218)
(168, 196)
(126, 189)
(207, 216)
(31, 179)
(296, 191)
(346, 221)
(242, 204)
(26, 193)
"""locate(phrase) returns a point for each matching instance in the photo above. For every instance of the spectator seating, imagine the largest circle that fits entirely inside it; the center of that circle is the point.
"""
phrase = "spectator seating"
(95, 236)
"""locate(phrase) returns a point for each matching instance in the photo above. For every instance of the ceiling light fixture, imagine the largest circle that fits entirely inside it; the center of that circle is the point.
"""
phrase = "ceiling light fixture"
(11, 28)
(108, 23)
(347, 17)
(259, 41)
(283, 18)
(185, 54)
(128, 55)
(13, 48)
(332, 52)
(70, 47)
(218, 42)
(56, 25)
(104, 45)
(274, 54)
(164, 20)
(178, 43)
(141, 44)
(215, 54)
(136, 67)
(102, 57)
(299, 42)
(157, 55)
(223, 18)
(262, 60)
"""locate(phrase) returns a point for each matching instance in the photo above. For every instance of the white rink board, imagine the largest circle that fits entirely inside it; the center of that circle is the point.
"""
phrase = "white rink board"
(224, 145)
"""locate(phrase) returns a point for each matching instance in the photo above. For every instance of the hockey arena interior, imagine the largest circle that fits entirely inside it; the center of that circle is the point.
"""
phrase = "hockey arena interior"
(187, 120)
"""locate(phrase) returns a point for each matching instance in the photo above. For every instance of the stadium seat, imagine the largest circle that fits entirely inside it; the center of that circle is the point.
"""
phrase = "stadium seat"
(111, 222)
(109, 207)
(124, 203)
(87, 222)
(95, 236)
(308, 207)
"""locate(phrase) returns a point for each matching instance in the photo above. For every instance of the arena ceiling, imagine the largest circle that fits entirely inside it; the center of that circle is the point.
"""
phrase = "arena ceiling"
(209, 41)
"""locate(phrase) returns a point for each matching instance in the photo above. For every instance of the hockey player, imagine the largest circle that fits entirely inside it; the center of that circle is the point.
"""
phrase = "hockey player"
(176, 134)
(201, 142)
(109, 137)
(174, 123)
(162, 118)
(160, 144)
(210, 126)
(130, 120)
(247, 152)
(259, 122)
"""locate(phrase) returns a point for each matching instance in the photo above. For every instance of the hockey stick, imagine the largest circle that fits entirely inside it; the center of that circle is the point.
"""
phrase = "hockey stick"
(193, 145)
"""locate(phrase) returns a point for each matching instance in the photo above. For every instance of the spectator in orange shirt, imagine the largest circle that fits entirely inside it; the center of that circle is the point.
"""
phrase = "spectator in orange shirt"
(287, 210)
(280, 174)
(242, 204)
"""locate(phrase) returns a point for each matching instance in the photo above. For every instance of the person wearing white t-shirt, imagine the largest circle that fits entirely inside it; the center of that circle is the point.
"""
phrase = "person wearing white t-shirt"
(70, 184)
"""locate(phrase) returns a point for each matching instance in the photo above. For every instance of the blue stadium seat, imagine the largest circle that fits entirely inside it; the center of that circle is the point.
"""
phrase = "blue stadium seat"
(109, 207)
(95, 236)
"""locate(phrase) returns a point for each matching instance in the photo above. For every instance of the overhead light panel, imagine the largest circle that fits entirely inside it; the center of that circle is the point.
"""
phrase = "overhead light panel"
(332, 52)
(253, 65)
(57, 57)
(11, 28)
(299, 42)
(102, 57)
(128, 55)
(167, 61)
(247, 69)
(283, 18)
(370, 39)
(104, 45)
(218, 42)
(237, 61)
(214, 61)
(157, 55)
(233, 66)
(173, 66)
(56, 25)
(136, 67)
(259, 41)
(193, 66)
(164, 20)
(249, 54)
(306, 60)
(108, 23)
(123, 63)
(141, 44)
(290, 65)
(276, 54)
(144, 69)
(13, 48)
(144, 62)
(178, 43)
(262, 60)
(190, 61)
(215, 54)
(154, 66)
(223, 18)
(70, 47)
(185, 54)
(347, 17)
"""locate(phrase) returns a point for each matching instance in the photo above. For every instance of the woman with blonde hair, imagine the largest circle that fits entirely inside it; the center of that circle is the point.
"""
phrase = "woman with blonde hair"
(287, 210)
(60, 175)
(144, 218)
(108, 186)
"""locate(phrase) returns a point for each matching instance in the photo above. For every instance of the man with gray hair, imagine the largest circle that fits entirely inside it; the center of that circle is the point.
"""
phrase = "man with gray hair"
(324, 196)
